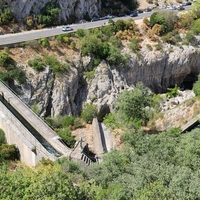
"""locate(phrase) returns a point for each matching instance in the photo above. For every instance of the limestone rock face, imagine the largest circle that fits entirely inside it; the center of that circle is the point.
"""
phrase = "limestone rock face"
(158, 70)
(23, 8)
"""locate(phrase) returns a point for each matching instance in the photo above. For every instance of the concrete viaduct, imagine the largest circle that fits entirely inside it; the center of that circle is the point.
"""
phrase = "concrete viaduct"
(31, 135)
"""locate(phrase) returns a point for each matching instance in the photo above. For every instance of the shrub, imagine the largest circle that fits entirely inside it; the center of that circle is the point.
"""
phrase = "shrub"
(134, 45)
(67, 137)
(134, 106)
(189, 38)
(6, 49)
(196, 27)
(37, 64)
(158, 46)
(196, 87)
(89, 112)
(5, 59)
(44, 42)
(78, 123)
(185, 21)
(6, 16)
(8, 152)
(35, 108)
(73, 45)
(80, 33)
(67, 121)
(54, 122)
(115, 41)
(146, 21)
(2, 137)
(22, 44)
(33, 44)
(110, 120)
(49, 14)
(57, 68)
(115, 57)
(157, 29)
(90, 74)
(172, 92)
(149, 47)
(166, 19)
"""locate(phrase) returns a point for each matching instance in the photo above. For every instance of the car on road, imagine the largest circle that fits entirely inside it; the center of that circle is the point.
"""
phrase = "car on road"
(180, 8)
(148, 10)
(67, 28)
(109, 16)
(104, 17)
(133, 14)
(94, 19)
(140, 11)
(121, 14)
(188, 3)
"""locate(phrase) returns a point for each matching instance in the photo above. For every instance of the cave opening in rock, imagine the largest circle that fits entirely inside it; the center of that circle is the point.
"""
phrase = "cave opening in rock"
(188, 81)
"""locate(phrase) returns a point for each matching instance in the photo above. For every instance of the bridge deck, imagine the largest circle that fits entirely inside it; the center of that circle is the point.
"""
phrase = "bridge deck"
(43, 129)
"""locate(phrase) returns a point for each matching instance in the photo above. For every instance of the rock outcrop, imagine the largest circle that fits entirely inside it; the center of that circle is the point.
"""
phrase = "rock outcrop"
(24, 8)
(158, 70)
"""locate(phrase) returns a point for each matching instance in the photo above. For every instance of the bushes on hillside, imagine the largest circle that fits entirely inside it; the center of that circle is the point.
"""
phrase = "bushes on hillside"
(10, 71)
(196, 87)
(89, 112)
(6, 16)
(167, 20)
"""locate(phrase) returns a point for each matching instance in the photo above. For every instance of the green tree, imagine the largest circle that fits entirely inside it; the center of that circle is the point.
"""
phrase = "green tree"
(42, 182)
(67, 137)
(134, 45)
(115, 57)
(9, 71)
(196, 87)
(196, 9)
(6, 16)
(2, 137)
(165, 19)
(89, 112)
(90, 45)
(67, 121)
(133, 106)
(172, 92)
(196, 27)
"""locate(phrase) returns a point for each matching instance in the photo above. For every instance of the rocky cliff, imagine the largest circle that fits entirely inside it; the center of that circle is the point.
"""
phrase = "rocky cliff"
(24, 8)
(158, 70)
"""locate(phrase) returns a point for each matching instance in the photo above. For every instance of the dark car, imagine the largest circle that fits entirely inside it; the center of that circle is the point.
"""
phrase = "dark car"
(133, 14)
(139, 11)
(180, 8)
(148, 10)
(121, 15)
(188, 3)
(94, 19)
(104, 17)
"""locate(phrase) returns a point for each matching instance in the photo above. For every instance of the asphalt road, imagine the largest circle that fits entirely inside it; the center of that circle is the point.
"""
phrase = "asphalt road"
(47, 32)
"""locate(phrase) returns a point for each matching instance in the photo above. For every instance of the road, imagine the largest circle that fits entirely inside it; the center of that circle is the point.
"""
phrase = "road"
(47, 32)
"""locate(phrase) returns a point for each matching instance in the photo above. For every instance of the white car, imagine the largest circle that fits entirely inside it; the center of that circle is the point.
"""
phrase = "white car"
(67, 28)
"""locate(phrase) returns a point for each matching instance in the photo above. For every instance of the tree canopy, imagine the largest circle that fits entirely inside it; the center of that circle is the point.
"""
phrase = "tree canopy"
(134, 106)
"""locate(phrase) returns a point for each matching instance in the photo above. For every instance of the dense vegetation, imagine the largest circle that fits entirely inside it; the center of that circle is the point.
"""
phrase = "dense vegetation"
(160, 166)
(9, 71)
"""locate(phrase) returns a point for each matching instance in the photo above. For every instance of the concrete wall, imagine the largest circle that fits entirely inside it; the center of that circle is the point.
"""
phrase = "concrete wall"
(97, 137)
(31, 151)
